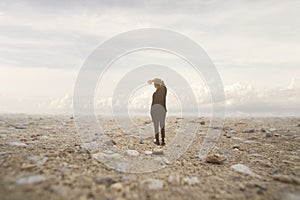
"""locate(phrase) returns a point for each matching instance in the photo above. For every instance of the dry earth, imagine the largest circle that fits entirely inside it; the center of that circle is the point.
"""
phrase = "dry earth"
(41, 157)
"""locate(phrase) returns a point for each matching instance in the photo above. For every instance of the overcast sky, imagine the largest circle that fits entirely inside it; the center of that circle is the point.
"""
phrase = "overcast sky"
(254, 45)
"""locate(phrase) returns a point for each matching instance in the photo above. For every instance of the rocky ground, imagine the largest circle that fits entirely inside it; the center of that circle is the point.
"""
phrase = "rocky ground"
(41, 157)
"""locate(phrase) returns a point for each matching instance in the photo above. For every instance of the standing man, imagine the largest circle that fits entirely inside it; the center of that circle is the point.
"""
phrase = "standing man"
(158, 109)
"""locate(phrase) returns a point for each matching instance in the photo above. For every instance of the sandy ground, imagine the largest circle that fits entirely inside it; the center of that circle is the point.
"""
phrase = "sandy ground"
(41, 157)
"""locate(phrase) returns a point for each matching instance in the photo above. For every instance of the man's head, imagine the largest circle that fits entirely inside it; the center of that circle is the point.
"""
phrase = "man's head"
(156, 85)
(157, 82)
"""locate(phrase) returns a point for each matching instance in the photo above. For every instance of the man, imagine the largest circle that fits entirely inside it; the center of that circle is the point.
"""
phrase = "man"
(158, 109)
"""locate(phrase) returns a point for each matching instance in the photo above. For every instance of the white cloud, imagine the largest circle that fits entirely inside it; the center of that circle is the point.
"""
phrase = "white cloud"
(253, 43)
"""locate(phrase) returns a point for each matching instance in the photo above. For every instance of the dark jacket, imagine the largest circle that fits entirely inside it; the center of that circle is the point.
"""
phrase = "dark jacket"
(159, 96)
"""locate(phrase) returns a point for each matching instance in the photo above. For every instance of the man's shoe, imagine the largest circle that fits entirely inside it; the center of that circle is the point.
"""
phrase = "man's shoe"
(163, 142)
(156, 139)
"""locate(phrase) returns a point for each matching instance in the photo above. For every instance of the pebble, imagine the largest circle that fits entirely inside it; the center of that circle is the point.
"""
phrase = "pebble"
(18, 144)
(44, 137)
(202, 122)
(104, 156)
(129, 178)
(215, 159)
(174, 179)
(287, 179)
(191, 181)
(148, 152)
(38, 160)
(69, 150)
(249, 130)
(244, 170)
(272, 129)
(30, 180)
(153, 184)
(61, 190)
(260, 186)
(64, 171)
(288, 196)
(133, 153)
(269, 134)
(158, 152)
(118, 187)
(110, 142)
(107, 181)
(19, 126)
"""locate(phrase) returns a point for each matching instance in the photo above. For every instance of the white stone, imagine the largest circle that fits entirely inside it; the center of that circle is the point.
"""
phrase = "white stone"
(158, 151)
(31, 180)
(174, 179)
(133, 153)
(117, 187)
(191, 181)
(153, 184)
(38, 160)
(19, 144)
(244, 170)
(148, 152)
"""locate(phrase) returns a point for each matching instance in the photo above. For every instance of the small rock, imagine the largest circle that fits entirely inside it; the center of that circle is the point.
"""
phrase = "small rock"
(104, 156)
(44, 137)
(69, 150)
(64, 171)
(174, 179)
(287, 179)
(31, 180)
(241, 186)
(191, 181)
(272, 129)
(248, 141)
(249, 130)
(133, 153)
(107, 181)
(202, 122)
(61, 190)
(141, 141)
(19, 126)
(260, 186)
(129, 178)
(18, 144)
(38, 160)
(158, 152)
(153, 184)
(148, 152)
(237, 147)
(166, 161)
(118, 187)
(110, 143)
(215, 159)
(243, 169)
(263, 130)
(27, 166)
(288, 196)
(269, 134)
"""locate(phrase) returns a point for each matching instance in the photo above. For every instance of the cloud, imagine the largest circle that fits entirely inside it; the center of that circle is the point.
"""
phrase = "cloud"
(61, 34)
(253, 43)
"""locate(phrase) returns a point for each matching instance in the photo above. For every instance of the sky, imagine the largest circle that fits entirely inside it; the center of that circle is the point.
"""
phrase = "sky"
(253, 44)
